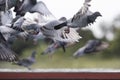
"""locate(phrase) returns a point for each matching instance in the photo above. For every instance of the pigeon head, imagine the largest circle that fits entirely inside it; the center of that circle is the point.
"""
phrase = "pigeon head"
(93, 17)
(97, 14)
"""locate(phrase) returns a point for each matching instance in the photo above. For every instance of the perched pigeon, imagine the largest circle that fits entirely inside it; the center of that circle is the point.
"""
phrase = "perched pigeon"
(90, 47)
(28, 61)
(6, 54)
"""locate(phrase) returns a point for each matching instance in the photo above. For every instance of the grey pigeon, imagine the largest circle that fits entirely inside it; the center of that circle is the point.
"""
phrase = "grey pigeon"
(17, 24)
(82, 18)
(31, 6)
(11, 35)
(24, 7)
(41, 8)
(54, 46)
(90, 47)
(27, 62)
(6, 54)
(47, 27)
(8, 4)
(21, 26)
(20, 30)
(61, 34)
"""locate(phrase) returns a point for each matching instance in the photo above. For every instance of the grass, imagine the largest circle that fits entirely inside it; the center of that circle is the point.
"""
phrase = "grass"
(66, 60)
(61, 61)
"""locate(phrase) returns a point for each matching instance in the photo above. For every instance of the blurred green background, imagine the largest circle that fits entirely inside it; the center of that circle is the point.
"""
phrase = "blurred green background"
(108, 58)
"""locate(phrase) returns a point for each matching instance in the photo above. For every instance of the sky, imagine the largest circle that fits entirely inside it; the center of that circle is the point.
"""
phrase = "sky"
(67, 8)
(108, 8)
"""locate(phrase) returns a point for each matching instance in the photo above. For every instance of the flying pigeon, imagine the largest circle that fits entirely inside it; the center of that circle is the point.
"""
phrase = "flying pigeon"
(8, 4)
(82, 18)
(31, 6)
(55, 46)
(6, 54)
(46, 26)
(24, 7)
(20, 29)
(90, 47)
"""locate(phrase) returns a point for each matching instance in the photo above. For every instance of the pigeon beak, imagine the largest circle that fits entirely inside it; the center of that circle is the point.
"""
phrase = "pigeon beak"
(100, 15)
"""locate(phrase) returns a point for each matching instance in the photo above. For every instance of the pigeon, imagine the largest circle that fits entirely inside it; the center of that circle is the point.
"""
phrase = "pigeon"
(21, 30)
(55, 46)
(27, 62)
(8, 4)
(24, 7)
(6, 54)
(61, 34)
(46, 26)
(90, 47)
(82, 18)
(41, 8)
(17, 24)
(31, 6)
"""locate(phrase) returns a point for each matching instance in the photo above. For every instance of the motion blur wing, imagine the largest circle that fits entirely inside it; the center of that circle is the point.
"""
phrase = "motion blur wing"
(6, 54)
(41, 8)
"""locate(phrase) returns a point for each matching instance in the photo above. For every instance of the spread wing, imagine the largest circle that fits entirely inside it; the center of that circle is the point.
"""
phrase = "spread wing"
(41, 8)
(6, 54)
(80, 18)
